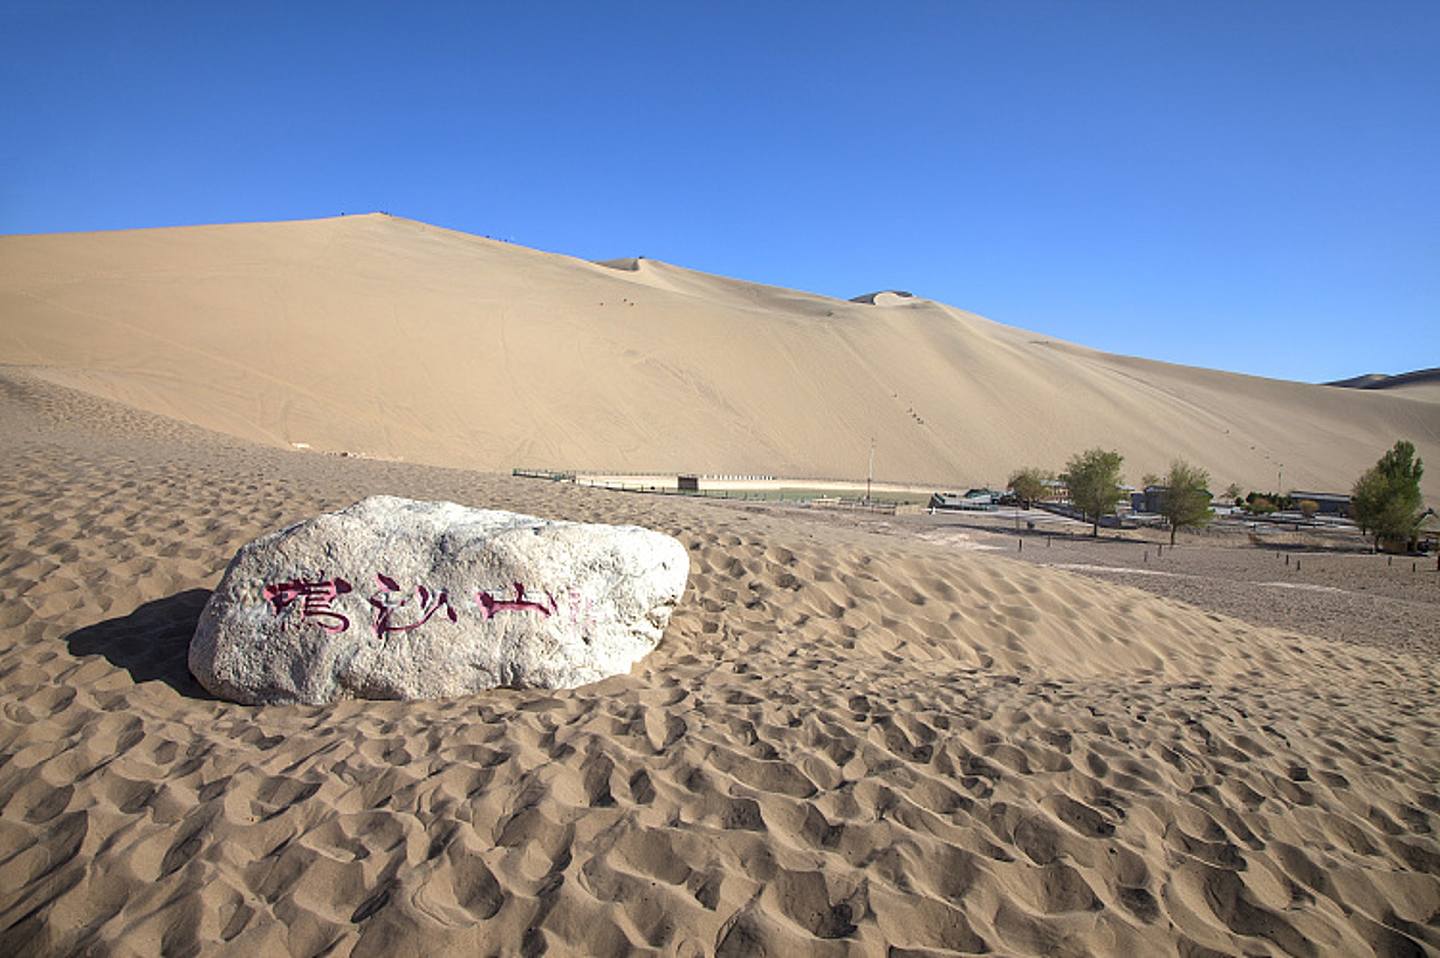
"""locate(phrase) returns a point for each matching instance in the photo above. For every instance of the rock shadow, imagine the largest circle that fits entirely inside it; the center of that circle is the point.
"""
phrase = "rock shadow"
(152, 643)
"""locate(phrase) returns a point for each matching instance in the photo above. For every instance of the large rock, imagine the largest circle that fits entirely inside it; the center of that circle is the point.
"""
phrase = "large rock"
(397, 599)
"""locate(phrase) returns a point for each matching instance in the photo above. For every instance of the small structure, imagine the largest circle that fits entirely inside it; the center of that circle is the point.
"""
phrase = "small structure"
(688, 483)
(1152, 499)
(1428, 530)
(975, 500)
(1330, 503)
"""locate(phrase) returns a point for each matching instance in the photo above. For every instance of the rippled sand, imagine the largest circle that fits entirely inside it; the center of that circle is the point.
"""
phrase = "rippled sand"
(847, 743)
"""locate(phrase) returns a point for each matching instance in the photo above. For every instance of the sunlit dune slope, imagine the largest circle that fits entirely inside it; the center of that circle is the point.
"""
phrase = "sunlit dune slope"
(391, 338)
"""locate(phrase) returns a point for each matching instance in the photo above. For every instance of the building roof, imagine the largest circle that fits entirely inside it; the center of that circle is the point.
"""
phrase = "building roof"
(1319, 496)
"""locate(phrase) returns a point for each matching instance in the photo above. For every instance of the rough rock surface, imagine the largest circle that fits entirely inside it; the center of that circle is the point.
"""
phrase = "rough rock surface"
(397, 599)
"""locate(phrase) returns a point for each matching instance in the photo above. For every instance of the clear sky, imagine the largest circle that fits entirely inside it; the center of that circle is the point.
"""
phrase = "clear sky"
(1249, 186)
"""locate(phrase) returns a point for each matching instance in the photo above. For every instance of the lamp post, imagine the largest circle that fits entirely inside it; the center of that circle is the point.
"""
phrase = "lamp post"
(870, 472)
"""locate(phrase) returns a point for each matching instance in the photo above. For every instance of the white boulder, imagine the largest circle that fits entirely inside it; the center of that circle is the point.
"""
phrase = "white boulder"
(397, 599)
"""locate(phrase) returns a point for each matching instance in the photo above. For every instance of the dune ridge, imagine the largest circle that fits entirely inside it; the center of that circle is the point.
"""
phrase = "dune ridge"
(1421, 384)
(393, 339)
(847, 743)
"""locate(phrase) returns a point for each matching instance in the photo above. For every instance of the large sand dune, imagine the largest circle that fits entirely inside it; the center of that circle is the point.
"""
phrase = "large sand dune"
(394, 339)
(852, 740)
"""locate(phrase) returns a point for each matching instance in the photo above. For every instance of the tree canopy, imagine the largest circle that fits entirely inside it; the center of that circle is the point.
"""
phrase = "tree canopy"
(1030, 484)
(1386, 499)
(1093, 477)
(1186, 502)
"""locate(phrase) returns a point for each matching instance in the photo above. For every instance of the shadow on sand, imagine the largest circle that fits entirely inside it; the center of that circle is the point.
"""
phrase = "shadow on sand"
(150, 643)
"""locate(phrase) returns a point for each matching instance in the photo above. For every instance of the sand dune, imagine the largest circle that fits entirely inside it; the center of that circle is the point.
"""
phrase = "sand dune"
(853, 739)
(848, 743)
(394, 339)
(1416, 384)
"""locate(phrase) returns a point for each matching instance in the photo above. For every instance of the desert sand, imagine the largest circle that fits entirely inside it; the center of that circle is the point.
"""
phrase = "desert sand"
(393, 339)
(849, 742)
(858, 736)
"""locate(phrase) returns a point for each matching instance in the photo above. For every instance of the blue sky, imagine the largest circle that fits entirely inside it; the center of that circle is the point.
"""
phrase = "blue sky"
(1249, 186)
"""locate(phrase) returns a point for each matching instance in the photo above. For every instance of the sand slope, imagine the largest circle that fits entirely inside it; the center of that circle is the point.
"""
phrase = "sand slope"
(395, 339)
(848, 743)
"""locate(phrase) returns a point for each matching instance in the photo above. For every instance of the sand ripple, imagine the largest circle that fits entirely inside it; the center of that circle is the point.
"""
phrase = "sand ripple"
(847, 744)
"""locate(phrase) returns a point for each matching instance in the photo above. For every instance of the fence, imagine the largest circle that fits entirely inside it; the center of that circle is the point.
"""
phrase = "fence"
(551, 474)
(797, 495)
(885, 507)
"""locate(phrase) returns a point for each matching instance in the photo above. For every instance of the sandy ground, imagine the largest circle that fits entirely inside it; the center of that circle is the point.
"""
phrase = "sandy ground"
(397, 340)
(850, 741)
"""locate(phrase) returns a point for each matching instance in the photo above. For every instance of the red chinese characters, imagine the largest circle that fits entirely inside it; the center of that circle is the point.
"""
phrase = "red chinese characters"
(315, 598)
(490, 606)
(392, 603)
(396, 609)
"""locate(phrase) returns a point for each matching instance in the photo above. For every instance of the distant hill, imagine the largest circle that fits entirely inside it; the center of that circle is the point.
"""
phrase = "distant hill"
(391, 338)
(886, 297)
(1421, 384)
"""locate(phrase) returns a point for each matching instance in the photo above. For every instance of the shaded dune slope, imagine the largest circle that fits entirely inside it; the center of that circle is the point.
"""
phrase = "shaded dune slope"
(1421, 384)
(394, 339)
(846, 743)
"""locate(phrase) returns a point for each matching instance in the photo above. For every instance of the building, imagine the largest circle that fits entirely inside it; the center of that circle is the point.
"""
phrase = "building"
(1152, 499)
(1428, 529)
(1330, 503)
(976, 500)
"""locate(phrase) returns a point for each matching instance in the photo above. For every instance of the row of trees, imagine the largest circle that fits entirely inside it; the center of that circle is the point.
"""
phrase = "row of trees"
(1093, 478)
(1385, 501)
(1264, 503)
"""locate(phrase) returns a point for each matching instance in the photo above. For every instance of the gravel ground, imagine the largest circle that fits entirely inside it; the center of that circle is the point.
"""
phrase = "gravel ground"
(1325, 582)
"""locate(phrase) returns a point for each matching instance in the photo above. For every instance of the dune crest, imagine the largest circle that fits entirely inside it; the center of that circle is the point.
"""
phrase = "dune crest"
(1421, 384)
(887, 297)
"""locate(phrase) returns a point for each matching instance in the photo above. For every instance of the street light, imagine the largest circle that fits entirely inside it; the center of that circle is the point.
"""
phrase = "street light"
(870, 473)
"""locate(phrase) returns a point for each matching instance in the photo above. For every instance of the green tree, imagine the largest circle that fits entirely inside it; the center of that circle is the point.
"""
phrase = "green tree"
(1030, 484)
(1365, 498)
(1308, 508)
(1232, 493)
(1186, 503)
(1386, 498)
(1093, 477)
